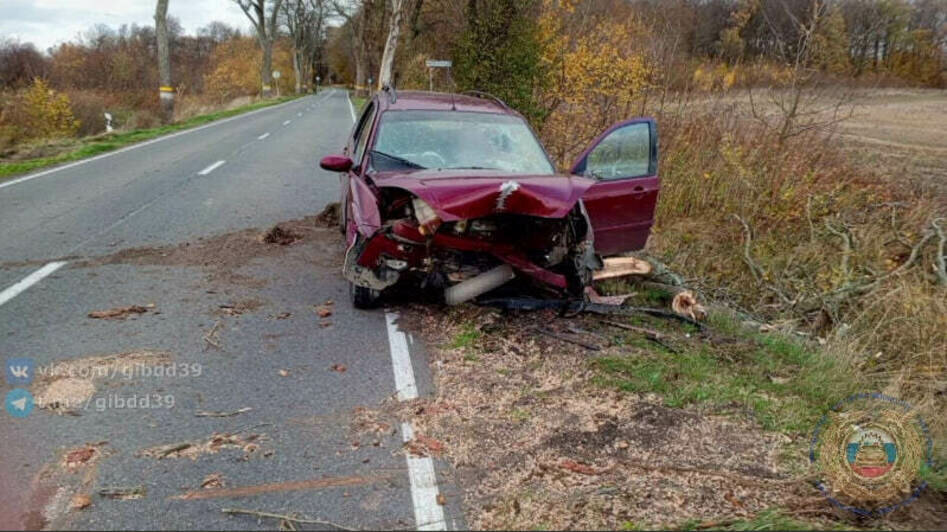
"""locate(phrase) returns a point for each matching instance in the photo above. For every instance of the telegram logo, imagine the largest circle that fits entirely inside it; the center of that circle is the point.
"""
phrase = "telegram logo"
(19, 402)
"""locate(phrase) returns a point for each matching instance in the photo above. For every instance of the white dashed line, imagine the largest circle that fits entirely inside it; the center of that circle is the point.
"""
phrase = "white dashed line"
(299, 114)
(286, 123)
(139, 145)
(263, 136)
(29, 281)
(211, 168)
(428, 514)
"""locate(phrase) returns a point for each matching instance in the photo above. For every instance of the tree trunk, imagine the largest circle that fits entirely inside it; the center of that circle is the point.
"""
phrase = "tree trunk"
(391, 45)
(297, 69)
(266, 67)
(166, 90)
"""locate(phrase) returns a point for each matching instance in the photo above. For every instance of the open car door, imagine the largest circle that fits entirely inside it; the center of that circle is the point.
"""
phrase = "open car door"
(623, 161)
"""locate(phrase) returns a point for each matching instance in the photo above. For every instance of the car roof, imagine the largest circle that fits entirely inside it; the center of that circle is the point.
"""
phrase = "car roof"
(440, 101)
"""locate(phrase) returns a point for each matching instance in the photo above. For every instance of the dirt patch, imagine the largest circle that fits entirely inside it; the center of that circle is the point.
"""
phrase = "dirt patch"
(329, 217)
(67, 385)
(283, 237)
(119, 313)
(222, 256)
(537, 443)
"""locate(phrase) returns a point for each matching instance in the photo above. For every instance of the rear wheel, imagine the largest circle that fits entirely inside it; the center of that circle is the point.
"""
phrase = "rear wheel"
(363, 297)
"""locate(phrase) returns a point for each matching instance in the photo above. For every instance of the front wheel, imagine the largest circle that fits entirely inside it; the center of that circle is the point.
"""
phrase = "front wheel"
(363, 297)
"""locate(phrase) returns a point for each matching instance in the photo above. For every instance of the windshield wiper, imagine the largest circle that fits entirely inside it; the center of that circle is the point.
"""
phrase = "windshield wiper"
(402, 160)
(470, 168)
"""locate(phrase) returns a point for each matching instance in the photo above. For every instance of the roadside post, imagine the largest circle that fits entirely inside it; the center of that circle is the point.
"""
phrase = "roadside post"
(276, 76)
(431, 65)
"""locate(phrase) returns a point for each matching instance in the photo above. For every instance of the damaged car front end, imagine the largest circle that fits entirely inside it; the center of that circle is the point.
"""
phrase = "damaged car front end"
(466, 235)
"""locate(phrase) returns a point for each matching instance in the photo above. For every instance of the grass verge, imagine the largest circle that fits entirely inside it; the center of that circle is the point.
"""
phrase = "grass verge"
(101, 144)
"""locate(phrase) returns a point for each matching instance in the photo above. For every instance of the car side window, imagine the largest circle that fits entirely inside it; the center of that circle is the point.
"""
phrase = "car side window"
(363, 132)
(624, 153)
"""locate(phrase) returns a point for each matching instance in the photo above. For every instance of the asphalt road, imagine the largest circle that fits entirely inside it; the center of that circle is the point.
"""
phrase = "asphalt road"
(102, 234)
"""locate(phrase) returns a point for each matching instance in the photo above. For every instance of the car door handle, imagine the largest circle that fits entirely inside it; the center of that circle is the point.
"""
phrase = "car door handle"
(638, 191)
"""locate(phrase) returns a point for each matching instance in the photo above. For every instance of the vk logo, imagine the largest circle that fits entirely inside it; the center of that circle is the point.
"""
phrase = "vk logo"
(19, 402)
(19, 370)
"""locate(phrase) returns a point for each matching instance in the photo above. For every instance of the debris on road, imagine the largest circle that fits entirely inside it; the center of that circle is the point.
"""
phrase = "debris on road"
(239, 307)
(213, 481)
(223, 414)
(212, 337)
(284, 373)
(118, 313)
(80, 501)
(283, 237)
(123, 493)
(284, 519)
(422, 445)
(338, 368)
(217, 442)
(329, 216)
(324, 311)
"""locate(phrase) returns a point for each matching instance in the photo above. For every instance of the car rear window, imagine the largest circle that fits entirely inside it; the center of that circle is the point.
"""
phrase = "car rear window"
(459, 139)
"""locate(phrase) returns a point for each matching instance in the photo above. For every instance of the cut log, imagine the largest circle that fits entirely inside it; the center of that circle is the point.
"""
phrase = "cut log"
(622, 266)
(683, 301)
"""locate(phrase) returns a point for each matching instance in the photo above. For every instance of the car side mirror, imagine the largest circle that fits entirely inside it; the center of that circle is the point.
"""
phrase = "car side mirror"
(336, 163)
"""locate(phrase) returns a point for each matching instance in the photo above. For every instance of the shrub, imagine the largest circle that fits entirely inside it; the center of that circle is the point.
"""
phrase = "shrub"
(50, 114)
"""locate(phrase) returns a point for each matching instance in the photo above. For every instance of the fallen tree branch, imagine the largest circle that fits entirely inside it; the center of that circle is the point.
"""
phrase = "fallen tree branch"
(283, 517)
(683, 300)
(563, 338)
(650, 334)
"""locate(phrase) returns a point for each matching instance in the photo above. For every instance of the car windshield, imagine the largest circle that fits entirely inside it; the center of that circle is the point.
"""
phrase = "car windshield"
(455, 139)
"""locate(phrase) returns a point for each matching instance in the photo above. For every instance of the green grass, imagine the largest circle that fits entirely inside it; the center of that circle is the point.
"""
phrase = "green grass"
(465, 338)
(90, 147)
(357, 102)
(784, 383)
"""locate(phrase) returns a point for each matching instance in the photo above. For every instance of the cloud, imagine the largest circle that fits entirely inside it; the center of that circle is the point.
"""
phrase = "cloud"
(47, 23)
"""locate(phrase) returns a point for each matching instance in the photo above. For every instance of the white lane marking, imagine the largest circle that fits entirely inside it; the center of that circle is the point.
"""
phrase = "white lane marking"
(286, 123)
(29, 281)
(351, 107)
(139, 145)
(299, 114)
(263, 136)
(401, 360)
(428, 514)
(211, 168)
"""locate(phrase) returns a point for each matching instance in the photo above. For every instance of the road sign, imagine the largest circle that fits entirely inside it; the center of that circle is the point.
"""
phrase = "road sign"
(276, 74)
(433, 63)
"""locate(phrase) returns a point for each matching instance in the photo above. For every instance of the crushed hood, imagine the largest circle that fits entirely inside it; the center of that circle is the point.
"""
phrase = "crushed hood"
(470, 196)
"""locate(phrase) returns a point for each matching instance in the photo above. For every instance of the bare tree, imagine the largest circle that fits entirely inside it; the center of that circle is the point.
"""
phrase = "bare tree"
(305, 20)
(808, 102)
(264, 22)
(391, 44)
(355, 14)
(166, 90)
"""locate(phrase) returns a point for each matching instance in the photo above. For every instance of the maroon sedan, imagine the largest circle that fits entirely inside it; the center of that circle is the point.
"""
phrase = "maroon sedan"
(454, 192)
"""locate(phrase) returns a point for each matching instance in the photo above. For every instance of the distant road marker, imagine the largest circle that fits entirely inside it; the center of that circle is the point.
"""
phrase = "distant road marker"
(211, 168)
(286, 123)
(263, 136)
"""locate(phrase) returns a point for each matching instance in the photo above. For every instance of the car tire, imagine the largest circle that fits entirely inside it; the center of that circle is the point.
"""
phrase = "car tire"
(363, 297)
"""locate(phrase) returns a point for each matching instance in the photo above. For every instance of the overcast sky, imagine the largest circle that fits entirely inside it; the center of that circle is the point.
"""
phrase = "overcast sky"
(49, 22)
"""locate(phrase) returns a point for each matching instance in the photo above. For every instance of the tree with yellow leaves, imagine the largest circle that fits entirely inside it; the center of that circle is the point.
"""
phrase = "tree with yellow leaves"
(50, 114)
(596, 70)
